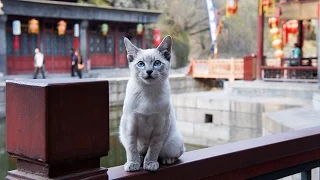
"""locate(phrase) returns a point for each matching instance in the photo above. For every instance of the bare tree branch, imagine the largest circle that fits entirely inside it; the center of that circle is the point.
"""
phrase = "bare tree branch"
(187, 28)
(200, 31)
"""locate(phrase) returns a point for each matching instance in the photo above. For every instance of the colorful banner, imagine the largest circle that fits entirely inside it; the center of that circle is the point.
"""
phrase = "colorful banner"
(212, 22)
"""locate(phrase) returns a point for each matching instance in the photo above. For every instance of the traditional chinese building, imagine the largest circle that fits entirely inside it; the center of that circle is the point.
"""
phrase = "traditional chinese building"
(288, 16)
(56, 26)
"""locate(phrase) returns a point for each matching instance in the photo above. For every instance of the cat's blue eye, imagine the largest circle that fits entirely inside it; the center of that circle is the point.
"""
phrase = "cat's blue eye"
(157, 63)
(140, 64)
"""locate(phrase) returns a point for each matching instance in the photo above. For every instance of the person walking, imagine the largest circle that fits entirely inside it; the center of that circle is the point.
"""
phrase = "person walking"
(38, 63)
(73, 61)
(79, 64)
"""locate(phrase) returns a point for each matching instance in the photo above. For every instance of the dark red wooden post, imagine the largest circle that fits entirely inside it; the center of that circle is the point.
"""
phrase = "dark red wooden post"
(57, 129)
(300, 36)
(260, 27)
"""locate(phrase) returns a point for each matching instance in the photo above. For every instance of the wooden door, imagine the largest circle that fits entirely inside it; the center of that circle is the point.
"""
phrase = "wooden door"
(22, 60)
(57, 56)
(101, 50)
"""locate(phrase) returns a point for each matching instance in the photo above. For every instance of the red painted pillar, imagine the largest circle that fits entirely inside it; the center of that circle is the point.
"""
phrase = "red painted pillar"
(57, 129)
(260, 27)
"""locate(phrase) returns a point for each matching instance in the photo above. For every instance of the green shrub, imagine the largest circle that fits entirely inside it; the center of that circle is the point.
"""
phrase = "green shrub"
(181, 49)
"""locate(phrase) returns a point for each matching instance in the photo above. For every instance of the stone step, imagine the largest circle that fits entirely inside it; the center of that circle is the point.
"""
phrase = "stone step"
(272, 89)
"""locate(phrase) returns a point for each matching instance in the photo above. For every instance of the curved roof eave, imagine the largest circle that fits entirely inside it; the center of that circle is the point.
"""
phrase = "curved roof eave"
(69, 10)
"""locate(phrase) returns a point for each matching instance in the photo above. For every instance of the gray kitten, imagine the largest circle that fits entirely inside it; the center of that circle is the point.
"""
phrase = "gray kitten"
(148, 129)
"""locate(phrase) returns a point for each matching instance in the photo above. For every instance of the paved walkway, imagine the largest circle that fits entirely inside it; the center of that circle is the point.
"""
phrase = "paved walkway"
(97, 73)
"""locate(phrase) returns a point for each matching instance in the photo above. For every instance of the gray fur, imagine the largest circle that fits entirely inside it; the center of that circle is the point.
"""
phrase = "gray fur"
(148, 127)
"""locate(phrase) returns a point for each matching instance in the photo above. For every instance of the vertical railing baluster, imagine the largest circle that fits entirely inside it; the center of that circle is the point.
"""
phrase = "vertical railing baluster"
(306, 175)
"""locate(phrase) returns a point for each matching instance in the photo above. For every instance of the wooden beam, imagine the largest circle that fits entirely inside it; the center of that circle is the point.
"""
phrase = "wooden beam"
(298, 10)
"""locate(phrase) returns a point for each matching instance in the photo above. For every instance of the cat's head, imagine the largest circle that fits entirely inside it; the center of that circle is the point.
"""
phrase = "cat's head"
(149, 66)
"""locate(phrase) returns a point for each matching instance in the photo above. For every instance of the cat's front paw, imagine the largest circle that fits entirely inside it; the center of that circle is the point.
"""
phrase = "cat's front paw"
(131, 166)
(169, 160)
(151, 165)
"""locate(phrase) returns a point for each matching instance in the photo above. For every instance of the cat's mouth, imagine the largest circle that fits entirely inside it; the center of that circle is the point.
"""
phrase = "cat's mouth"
(149, 77)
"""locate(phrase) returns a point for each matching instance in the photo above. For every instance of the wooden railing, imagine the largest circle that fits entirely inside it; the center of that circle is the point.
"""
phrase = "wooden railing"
(59, 130)
(264, 158)
(272, 69)
(230, 69)
(292, 69)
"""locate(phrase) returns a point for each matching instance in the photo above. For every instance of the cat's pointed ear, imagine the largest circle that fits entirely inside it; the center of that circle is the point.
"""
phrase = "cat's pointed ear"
(132, 50)
(165, 47)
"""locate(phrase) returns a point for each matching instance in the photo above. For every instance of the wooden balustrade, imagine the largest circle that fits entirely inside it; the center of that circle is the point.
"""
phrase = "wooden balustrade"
(264, 158)
(218, 69)
(272, 69)
(60, 129)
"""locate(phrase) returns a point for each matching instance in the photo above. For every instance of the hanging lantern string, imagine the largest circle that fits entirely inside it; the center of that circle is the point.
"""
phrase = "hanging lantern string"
(275, 33)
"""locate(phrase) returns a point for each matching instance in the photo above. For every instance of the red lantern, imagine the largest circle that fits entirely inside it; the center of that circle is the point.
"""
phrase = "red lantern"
(266, 4)
(33, 26)
(62, 26)
(278, 54)
(292, 26)
(274, 31)
(16, 30)
(277, 43)
(76, 36)
(273, 21)
(232, 7)
(156, 37)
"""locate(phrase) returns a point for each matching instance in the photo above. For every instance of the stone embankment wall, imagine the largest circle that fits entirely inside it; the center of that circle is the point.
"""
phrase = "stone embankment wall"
(117, 89)
(179, 84)
(212, 118)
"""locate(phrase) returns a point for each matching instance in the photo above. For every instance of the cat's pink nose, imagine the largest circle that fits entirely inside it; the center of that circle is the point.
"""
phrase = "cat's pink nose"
(149, 72)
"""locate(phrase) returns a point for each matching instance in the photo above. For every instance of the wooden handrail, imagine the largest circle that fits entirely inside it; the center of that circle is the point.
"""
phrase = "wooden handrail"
(239, 160)
(290, 67)
(50, 137)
